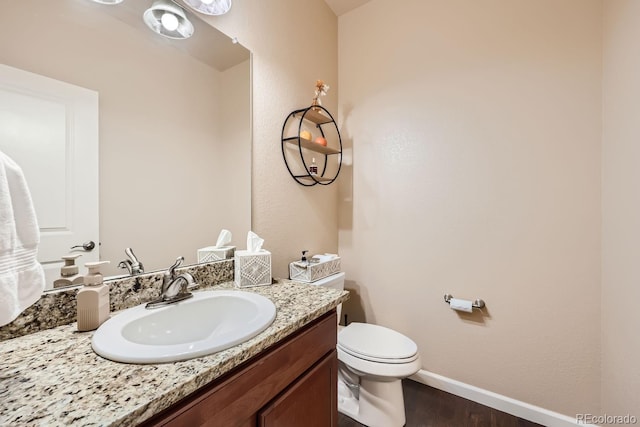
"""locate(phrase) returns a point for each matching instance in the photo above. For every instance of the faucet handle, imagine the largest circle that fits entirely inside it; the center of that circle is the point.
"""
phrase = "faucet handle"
(136, 266)
(172, 269)
(132, 265)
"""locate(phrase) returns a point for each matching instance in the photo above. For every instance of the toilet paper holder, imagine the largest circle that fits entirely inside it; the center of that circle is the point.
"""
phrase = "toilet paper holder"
(475, 304)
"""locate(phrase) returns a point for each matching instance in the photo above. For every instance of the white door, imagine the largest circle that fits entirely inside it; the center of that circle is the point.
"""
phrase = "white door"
(50, 128)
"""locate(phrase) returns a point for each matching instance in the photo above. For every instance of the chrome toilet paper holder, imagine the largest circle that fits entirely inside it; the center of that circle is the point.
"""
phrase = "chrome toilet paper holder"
(475, 304)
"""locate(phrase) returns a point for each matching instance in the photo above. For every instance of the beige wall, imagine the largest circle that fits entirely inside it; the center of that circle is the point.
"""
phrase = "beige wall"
(294, 43)
(621, 209)
(476, 131)
(234, 112)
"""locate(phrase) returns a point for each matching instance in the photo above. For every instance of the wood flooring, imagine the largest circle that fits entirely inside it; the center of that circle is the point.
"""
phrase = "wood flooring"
(429, 407)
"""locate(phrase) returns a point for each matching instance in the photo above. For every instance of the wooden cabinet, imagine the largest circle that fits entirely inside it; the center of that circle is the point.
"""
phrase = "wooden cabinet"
(306, 402)
(293, 383)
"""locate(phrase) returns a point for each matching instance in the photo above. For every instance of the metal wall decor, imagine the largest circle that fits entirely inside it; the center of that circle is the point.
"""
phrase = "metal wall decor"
(329, 158)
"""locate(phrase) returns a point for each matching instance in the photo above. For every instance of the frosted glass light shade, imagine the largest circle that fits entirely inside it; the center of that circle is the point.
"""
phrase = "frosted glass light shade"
(168, 19)
(108, 1)
(210, 7)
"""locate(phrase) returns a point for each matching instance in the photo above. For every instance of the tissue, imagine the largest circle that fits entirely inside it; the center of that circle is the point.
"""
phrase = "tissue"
(254, 242)
(223, 238)
(252, 267)
(323, 258)
(461, 305)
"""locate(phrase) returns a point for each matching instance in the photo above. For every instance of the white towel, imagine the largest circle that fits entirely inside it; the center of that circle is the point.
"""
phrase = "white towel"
(21, 276)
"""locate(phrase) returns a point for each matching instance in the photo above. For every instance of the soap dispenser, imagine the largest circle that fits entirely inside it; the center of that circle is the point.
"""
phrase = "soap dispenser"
(69, 272)
(303, 261)
(93, 299)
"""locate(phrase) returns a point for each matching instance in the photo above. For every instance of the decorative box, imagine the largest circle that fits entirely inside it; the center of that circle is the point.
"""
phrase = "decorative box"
(215, 253)
(252, 268)
(313, 271)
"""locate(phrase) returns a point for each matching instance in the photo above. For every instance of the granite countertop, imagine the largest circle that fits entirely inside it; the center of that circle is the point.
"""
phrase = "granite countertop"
(53, 377)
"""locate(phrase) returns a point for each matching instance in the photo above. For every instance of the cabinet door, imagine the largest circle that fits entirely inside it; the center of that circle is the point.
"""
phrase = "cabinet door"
(311, 401)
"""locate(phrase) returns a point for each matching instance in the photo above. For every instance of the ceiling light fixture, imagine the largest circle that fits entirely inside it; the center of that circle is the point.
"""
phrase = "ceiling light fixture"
(108, 1)
(210, 7)
(168, 19)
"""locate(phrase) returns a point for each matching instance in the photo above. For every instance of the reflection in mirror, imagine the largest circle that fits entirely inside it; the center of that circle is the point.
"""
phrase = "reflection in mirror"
(174, 125)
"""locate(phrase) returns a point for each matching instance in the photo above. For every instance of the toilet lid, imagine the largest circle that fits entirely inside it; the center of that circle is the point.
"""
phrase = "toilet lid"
(376, 343)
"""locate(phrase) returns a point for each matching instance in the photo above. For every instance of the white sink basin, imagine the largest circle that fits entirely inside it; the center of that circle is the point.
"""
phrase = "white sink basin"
(211, 321)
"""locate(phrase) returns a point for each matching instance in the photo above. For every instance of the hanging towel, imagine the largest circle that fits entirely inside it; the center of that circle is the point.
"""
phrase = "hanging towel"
(21, 276)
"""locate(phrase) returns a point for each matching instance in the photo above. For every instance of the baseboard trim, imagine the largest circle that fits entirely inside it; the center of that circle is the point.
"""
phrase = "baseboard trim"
(493, 400)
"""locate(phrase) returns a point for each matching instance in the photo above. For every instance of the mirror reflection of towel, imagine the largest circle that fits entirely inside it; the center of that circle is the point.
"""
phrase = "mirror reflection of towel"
(21, 276)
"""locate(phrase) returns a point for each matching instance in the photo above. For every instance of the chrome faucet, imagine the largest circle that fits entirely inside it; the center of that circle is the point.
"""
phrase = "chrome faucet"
(132, 265)
(174, 287)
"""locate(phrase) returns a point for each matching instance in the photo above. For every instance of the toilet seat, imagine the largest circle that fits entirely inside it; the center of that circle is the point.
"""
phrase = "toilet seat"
(377, 344)
(378, 359)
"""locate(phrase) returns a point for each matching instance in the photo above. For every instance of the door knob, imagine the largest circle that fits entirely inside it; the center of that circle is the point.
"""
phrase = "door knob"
(87, 246)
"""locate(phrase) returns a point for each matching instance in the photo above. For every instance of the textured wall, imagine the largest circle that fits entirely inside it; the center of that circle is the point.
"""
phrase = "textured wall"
(476, 130)
(621, 209)
(294, 43)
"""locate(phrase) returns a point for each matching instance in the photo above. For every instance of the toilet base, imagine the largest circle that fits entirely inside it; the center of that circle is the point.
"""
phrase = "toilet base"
(377, 403)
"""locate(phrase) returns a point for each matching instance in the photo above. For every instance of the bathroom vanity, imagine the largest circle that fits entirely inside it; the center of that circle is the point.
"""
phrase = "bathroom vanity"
(292, 384)
(284, 376)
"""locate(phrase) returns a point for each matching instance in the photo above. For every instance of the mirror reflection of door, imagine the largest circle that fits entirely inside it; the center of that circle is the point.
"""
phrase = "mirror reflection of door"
(50, 129)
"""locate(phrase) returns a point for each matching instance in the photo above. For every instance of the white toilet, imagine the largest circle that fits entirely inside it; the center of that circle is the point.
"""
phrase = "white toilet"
(372, 362)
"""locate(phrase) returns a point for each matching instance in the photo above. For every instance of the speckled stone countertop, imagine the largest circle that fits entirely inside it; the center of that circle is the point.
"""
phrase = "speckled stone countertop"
(53, 377)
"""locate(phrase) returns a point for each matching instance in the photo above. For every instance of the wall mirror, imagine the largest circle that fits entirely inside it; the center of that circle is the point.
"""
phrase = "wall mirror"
(174, 123)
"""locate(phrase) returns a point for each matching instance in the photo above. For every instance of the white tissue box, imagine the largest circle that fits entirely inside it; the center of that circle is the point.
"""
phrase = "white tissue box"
(252, 268)
(313, 271)
(214, 253)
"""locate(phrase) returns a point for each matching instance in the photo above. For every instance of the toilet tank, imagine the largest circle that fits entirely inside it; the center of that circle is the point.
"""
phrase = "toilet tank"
(335, 281)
